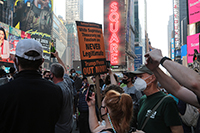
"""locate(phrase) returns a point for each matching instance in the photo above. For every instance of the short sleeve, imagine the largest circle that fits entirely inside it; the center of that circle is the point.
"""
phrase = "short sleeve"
(172, 111)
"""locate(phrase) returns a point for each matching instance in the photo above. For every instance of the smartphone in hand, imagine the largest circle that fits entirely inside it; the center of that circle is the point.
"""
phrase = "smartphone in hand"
(90, 89)
(53, 50)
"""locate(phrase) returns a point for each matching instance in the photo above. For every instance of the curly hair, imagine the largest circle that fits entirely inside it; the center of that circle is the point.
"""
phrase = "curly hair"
(119, 105)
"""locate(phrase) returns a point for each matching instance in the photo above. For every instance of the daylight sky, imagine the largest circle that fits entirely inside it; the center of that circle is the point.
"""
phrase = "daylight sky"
(158, 12)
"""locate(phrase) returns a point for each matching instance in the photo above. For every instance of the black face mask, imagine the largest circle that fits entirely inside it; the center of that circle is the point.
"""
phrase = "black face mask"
(100, 112)
(125, 81)
(47, 78)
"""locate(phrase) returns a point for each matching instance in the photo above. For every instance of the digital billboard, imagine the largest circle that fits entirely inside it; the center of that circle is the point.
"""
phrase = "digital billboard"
(172, 49)
(192, 43)
(114, 31)
(9, 42)
(194, 11)
(35, 17)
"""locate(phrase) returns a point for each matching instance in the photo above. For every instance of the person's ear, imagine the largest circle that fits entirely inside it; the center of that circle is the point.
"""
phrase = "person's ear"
(153, 77)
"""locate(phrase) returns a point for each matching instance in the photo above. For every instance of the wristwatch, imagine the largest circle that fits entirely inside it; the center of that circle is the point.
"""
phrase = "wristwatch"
(163, 60)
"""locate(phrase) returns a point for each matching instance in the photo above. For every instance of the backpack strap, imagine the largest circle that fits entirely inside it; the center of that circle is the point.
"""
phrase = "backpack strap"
(153, 110)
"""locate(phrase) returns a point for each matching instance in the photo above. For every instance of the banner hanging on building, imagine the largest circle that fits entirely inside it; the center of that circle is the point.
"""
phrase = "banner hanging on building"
(192, 43)
(92, 50)
(194, 11)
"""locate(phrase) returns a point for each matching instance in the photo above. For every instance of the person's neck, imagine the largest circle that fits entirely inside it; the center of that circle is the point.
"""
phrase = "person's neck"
(22, 69)
(108, 125)
(57, 80)
(129, 84)
(151, 90)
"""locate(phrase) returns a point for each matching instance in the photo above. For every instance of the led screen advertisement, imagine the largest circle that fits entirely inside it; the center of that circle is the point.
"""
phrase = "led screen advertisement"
(35, 17)
(192, 43)
(172, 49)
(9, 43)
(114, 31)
(194, 11)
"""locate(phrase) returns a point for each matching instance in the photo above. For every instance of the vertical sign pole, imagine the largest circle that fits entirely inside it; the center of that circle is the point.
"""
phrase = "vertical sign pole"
(98, 92)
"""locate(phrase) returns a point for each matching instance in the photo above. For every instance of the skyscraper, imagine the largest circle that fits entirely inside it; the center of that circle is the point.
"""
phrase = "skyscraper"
(74, 12)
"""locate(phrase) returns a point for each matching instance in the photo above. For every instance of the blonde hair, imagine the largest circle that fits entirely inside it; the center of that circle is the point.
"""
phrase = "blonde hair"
(121, 110)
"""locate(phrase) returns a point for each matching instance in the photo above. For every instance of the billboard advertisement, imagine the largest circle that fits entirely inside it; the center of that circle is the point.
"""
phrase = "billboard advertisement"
(192, 43)
(35, 17)
(9, 37)
(92, 50)
(172, 48)
(138, 60)
(114, 31)
(183, 51)
(194, 11)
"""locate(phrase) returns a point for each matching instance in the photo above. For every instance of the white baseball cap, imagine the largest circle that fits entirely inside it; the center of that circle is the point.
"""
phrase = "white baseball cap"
(26, 45)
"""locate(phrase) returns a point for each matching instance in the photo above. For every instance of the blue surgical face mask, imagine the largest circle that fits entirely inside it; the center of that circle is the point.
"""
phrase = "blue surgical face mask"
(73, 74)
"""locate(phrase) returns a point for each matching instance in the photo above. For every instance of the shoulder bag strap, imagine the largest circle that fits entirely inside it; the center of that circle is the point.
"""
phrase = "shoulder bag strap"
(153, 110)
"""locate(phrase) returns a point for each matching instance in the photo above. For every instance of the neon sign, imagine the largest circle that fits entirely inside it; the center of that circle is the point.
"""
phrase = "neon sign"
(114, 27)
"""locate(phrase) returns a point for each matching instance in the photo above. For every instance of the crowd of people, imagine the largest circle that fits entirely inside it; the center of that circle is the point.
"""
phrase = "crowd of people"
(51, 101)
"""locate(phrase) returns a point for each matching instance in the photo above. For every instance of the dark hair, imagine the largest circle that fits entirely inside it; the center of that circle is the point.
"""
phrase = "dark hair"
(72, 70)
(46, 72)
(2, 72)
(129, 75)
(114, 87)
(2, 29)
(57, 70)
(12, 70)
(107, 80)
(29, 64)
(84, 78)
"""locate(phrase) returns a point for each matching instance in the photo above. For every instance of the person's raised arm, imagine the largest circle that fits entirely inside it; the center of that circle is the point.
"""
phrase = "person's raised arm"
(185, 76)
(93, 121)
(59, 60)
(173, 87)
(112, 78)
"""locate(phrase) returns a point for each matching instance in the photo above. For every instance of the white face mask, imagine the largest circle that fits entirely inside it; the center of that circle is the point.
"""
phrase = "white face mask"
(140, 84)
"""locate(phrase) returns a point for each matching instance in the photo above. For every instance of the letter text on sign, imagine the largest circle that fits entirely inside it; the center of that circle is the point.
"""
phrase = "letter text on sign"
(114, 27)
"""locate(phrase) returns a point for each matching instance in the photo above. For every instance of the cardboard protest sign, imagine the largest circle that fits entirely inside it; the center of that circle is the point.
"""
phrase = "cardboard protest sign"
(92, 50)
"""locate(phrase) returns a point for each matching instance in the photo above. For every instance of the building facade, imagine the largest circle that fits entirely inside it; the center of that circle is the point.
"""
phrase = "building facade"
(74, 12)
(60, 34)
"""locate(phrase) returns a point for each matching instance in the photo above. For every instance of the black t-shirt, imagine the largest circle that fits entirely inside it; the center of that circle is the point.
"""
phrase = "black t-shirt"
(29, 104)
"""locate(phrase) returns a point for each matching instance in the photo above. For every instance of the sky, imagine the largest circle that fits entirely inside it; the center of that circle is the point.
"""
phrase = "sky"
(158, 12)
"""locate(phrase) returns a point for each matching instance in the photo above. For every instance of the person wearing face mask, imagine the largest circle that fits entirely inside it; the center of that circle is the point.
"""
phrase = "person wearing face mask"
(165, 119)
(116, 110)
(129, 79)
(46, 75)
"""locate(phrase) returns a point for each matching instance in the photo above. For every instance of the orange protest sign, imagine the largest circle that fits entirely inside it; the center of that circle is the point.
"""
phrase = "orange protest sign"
(92, 50)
